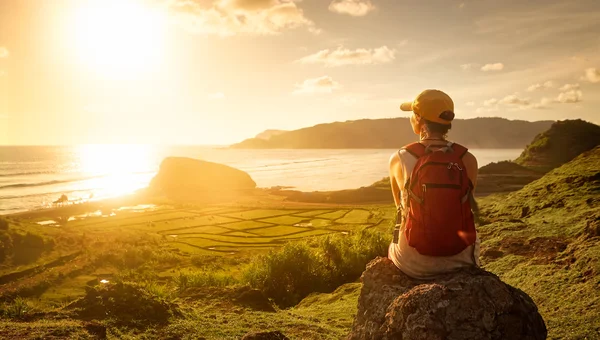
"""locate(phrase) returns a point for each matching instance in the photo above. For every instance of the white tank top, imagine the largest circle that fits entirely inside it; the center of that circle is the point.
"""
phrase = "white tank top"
(408, 259)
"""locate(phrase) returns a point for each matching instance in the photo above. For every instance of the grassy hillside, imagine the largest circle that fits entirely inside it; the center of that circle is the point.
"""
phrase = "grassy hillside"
(220, 271)
(392, 133)
(560, 144)
(545, 239)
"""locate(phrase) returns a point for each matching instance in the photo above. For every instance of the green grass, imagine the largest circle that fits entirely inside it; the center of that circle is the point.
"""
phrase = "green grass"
(354, 217)
(547, 249)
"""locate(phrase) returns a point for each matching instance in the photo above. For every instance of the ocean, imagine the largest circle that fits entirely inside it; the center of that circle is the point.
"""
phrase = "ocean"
(33, 177)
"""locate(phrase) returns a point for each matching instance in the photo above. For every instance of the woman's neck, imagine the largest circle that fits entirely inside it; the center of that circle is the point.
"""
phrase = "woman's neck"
(433, 138)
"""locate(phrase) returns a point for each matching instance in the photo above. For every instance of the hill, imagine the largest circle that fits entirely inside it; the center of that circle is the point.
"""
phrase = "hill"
(560, 144)
(267, 134)
(545, 240)
(390, 133)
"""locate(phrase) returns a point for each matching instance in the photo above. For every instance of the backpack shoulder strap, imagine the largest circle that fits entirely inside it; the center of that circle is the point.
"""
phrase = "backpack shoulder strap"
(460, 150)
(416, 149)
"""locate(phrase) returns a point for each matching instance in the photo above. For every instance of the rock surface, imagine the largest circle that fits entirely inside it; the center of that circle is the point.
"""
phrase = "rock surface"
(186, 176)
(471, 304)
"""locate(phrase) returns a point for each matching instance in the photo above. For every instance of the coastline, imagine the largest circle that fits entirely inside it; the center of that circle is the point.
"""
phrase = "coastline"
(379, 193)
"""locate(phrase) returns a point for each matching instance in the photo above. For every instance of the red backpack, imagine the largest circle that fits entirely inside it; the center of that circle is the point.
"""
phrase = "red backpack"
(437, 209)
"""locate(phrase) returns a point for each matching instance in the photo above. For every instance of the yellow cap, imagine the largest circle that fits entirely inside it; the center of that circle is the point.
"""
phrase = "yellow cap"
(430, 104)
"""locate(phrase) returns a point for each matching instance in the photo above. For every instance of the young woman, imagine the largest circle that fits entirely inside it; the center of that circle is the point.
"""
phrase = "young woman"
(433, 112)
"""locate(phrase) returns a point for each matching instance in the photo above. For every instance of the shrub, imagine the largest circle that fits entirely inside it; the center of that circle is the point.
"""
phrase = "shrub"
(194, 279)
(320, 265)
(3, 224)
(16, 309)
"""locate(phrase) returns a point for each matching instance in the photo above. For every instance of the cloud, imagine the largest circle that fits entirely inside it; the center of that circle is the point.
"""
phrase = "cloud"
(3, 52)
(492, 67)
(321, 85)
(515, 100)
(470, 104)
(355, 8)
(592, 75)
(490, 102)
(231, 17)
(547, 85)
(569, 97)
(342, 57)
(568, 87)
(217, 96)
(466, 67)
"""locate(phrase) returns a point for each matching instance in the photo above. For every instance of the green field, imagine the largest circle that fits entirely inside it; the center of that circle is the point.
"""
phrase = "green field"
(213, 244)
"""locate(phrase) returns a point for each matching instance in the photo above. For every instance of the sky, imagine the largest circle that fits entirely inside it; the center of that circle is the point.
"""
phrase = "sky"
(219, 71)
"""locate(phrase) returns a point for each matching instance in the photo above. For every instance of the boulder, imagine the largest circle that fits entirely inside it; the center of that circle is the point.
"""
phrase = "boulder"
(186, 176)
(471, 304)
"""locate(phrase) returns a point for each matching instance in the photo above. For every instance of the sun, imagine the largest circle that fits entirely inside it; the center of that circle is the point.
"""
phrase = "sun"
(119, 37)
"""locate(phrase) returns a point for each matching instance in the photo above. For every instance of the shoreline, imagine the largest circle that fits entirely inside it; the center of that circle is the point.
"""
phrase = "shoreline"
(377, 193)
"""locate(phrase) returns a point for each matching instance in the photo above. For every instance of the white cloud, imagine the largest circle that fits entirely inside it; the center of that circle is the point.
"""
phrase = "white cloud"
(470, 104)
(569, 97)
(3, 52)
(321, 85)
(490, 102)
(355, 8)
(568, 87)
(547, 85)
(231, 17)
(515, 100)
(217, 96)
(466, 67)
(592, 75)
(492, 67)
(341, 56)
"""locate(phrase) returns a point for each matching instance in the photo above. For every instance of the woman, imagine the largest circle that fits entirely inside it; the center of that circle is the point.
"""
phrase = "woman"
(433, 112)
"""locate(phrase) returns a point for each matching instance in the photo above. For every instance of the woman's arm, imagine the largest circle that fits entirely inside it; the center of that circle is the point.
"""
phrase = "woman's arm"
(472, 168)
(396, 177)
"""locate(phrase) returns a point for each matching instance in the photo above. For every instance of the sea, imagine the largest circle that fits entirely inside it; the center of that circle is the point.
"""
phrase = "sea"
(32, 177)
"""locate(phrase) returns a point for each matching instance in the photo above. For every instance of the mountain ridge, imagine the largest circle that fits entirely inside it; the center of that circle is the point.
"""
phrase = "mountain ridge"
(483, 132)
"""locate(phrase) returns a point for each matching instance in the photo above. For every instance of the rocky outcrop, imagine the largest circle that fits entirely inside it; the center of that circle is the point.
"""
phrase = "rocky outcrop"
(564, 141)
(187, 176)
(471, 304)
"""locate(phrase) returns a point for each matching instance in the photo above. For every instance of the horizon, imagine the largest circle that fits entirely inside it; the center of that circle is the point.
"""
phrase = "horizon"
(251, 137)
(216, 72)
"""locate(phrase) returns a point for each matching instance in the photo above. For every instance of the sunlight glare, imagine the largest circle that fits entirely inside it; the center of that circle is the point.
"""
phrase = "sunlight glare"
(119, 38)
(116, 169)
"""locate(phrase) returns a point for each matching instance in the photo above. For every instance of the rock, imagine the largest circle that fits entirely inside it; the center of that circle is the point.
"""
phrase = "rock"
(254, 299)
(471, 304)
(187, 176)
(276, 335)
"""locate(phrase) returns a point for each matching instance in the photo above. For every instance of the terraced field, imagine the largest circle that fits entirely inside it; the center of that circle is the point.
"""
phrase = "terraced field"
(223, 230)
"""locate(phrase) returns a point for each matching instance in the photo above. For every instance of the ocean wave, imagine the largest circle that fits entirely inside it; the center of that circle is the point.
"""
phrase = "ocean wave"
(71, 180)
(40, 184)
(56, 193)
(15, 174)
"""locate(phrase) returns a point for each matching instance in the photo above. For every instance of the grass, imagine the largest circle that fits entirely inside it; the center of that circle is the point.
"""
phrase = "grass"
(307, 259)
(547, 247)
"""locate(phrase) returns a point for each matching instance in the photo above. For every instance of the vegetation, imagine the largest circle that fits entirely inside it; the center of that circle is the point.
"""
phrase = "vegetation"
(297, 269)
(220, 271)
(392, 133)
(545, 240)
(564, 141)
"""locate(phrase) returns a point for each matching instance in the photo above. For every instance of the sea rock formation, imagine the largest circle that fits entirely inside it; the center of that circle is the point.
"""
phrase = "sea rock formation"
(471, 304)
(186, 176)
